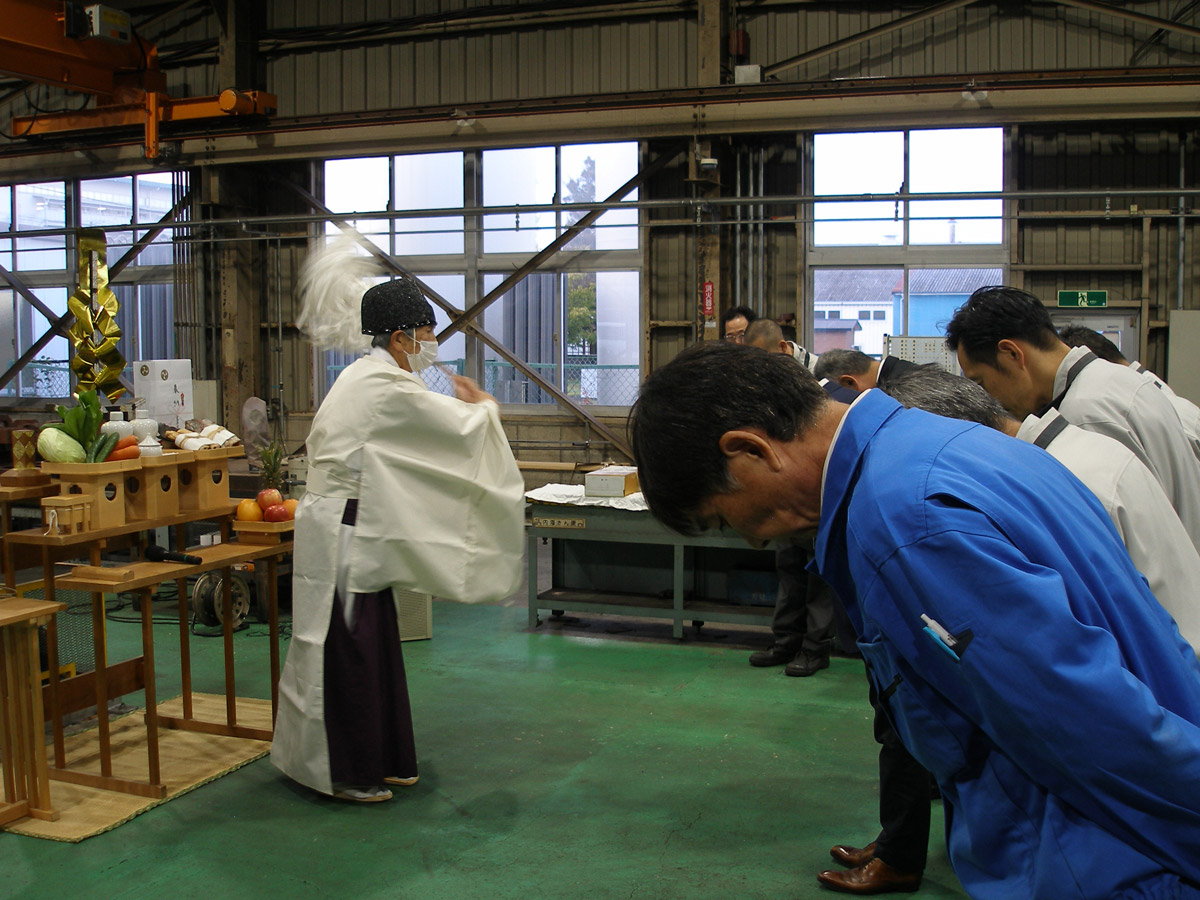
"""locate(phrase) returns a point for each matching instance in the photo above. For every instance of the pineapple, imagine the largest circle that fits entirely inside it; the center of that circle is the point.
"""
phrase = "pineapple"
(271, 460)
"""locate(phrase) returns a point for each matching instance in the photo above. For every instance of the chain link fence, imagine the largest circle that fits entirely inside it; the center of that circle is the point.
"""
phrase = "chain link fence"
(43, 378)
(583, 380)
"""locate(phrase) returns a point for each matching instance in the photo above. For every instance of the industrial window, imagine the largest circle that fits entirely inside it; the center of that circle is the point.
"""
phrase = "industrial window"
(595, 362)
(525, 176)
(904, 165)
(573, 321)
(45, 260)
(429, 181)
(40, 207)
(881, 259)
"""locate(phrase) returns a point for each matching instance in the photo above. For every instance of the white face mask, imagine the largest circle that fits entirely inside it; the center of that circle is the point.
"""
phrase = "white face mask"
(425, 356)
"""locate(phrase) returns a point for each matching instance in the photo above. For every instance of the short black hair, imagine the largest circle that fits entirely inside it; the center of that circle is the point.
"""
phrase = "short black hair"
(733, 312)
(833, 364)
(1082, 336)
(686, 406)
(933, 389)
(764, 331)
(997, 313)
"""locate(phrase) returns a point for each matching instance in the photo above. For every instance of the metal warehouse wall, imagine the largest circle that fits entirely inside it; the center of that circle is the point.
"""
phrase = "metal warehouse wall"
(319, 58)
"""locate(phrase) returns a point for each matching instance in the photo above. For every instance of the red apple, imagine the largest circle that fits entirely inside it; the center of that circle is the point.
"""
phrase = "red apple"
(277, 512)
(269, 497)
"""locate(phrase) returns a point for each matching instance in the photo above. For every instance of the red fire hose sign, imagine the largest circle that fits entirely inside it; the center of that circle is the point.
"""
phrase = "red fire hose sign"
(707, 299)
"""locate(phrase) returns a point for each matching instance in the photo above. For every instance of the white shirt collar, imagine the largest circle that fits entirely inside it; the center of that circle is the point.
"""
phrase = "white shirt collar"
(384, 354)
(1060, 376)
(833, 443)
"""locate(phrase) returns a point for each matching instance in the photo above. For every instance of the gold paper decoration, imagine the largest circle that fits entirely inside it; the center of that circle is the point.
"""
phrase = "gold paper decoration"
(97, 362)
(23, 449)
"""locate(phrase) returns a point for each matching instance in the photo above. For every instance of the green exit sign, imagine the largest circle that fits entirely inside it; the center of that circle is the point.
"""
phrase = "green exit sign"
(1083, 298)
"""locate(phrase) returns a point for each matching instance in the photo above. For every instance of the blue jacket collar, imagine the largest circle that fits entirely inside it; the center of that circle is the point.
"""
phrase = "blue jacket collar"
(859, 426)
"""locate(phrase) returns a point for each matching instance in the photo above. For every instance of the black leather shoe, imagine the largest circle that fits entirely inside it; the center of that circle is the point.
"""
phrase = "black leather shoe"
(851, 857)
(872, 877)
(775, 655)
(806, 664)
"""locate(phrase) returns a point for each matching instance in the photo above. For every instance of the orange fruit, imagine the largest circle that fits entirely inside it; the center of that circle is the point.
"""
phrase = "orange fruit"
(291, 505)
(248, 510)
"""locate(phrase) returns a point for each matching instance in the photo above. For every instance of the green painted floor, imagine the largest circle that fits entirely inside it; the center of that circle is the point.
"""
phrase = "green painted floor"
(562, 763)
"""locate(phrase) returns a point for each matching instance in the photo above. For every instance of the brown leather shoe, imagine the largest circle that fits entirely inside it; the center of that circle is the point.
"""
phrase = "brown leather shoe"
(872, 877)
(852, 857)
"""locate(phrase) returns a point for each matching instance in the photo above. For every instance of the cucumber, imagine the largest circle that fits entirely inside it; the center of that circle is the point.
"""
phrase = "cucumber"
(102, 446)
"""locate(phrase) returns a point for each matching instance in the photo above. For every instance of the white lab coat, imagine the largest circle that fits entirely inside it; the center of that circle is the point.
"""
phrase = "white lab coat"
(1155, 538)
(441, 511)
(1113, 400)
(1188, 412)
(802, 356)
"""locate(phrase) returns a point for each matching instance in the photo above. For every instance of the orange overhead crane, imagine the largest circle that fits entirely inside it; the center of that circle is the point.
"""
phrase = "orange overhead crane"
(93, 49)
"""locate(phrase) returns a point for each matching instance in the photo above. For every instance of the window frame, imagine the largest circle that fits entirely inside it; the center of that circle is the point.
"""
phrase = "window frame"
(904, 256)
(474, 264)
(134, 277)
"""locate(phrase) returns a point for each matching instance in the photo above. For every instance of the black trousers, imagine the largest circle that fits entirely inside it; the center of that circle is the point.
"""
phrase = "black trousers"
(804, 606)
(368, 721)
(903, 841)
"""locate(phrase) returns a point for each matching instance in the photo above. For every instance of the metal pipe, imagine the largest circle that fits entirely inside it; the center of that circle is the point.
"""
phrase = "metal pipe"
(737, 227)
(761, 308)
(1182, 224)
(746, 216)
(686, 202)
(279, 337)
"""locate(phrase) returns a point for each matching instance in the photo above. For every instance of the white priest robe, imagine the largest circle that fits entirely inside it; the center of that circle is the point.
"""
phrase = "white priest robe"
(440, 511)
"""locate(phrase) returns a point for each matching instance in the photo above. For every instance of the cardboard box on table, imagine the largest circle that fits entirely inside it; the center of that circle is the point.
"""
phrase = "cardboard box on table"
(611, 481)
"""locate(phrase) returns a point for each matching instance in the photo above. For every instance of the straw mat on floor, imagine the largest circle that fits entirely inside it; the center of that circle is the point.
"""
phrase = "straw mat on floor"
(187, 760)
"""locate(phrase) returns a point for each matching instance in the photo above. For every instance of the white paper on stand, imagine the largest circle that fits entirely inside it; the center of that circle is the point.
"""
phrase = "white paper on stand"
(573, 495)
(166, 386)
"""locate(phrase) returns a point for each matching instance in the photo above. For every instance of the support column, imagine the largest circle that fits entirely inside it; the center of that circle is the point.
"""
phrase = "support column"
(237, 45)
(237, 291)
(712, 56)
(713, 42)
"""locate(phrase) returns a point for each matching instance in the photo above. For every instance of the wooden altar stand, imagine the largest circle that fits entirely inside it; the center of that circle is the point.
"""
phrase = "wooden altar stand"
(140, 578)
(22, 724)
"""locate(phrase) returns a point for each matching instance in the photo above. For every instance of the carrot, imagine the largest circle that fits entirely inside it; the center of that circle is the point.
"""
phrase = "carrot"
(129, 440)
(132, 452)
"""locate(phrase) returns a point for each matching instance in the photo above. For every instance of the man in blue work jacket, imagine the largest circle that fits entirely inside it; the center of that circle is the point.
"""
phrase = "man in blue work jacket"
(1022, 657)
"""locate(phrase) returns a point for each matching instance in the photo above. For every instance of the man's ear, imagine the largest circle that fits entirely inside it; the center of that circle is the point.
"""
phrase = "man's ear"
(1011, 352)
(749, 446)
